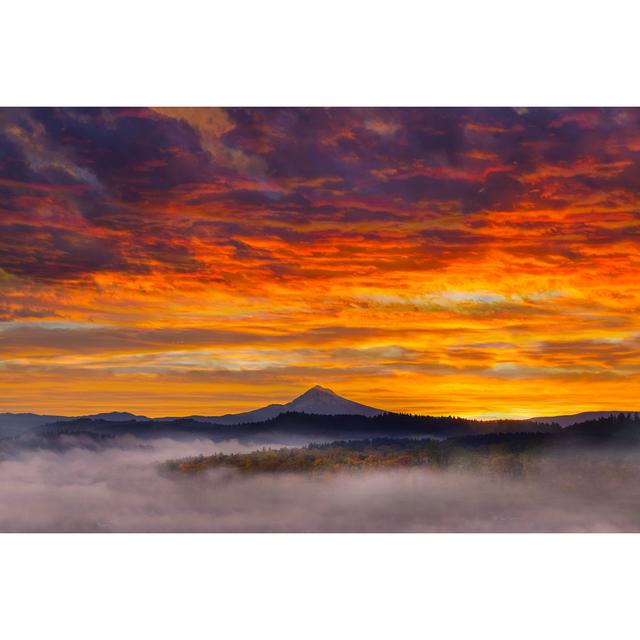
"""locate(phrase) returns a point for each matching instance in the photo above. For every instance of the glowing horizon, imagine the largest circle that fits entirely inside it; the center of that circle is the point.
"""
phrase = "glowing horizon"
(475, 262)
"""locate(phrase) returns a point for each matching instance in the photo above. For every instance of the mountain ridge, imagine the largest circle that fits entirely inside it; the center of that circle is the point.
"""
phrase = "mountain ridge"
(567, 420)
(317, 400)
(296, 428)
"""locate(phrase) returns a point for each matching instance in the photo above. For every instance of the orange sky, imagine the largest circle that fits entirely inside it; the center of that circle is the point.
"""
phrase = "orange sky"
(478, 262)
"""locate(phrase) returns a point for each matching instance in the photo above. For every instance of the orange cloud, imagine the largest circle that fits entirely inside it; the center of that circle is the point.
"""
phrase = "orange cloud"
(477, 262)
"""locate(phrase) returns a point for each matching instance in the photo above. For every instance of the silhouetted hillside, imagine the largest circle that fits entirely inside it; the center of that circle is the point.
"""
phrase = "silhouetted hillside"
(620, 429)
(303, 427)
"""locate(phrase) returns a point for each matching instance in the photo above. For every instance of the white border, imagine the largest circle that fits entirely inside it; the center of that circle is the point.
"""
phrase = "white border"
(338, 52)
(319, 587)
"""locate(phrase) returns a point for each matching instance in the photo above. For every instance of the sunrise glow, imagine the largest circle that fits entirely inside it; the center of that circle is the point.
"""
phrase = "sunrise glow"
(477, 262)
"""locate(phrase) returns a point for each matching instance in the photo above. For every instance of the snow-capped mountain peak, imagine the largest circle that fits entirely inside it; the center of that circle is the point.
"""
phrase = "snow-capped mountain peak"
(325, 401)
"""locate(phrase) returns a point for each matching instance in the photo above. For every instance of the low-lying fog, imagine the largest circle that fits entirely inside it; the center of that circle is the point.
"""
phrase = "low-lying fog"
(119, 488)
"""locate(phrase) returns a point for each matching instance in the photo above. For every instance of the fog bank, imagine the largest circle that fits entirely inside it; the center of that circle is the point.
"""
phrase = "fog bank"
(120, 489)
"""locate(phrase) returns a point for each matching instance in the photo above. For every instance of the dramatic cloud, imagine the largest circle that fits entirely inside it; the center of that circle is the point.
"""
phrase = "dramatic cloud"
(291, 245)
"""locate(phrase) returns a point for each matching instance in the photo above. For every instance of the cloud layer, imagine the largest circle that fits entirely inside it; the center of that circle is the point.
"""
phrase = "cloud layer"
(120, 489)
(475, 261)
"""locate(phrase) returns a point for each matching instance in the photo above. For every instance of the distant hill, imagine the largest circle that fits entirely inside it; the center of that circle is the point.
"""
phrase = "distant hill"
(618, 431)
(16, 424)
(576, 418)
(295, 428)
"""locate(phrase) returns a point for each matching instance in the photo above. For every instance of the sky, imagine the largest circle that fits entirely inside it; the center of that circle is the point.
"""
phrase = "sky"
(172, 261)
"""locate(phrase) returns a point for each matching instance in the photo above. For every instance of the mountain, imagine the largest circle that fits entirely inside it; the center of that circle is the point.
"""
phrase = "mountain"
(323, 401)
(15, 424)
(297, 428)
(317, 400)
(577, 418)
(117, 416)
